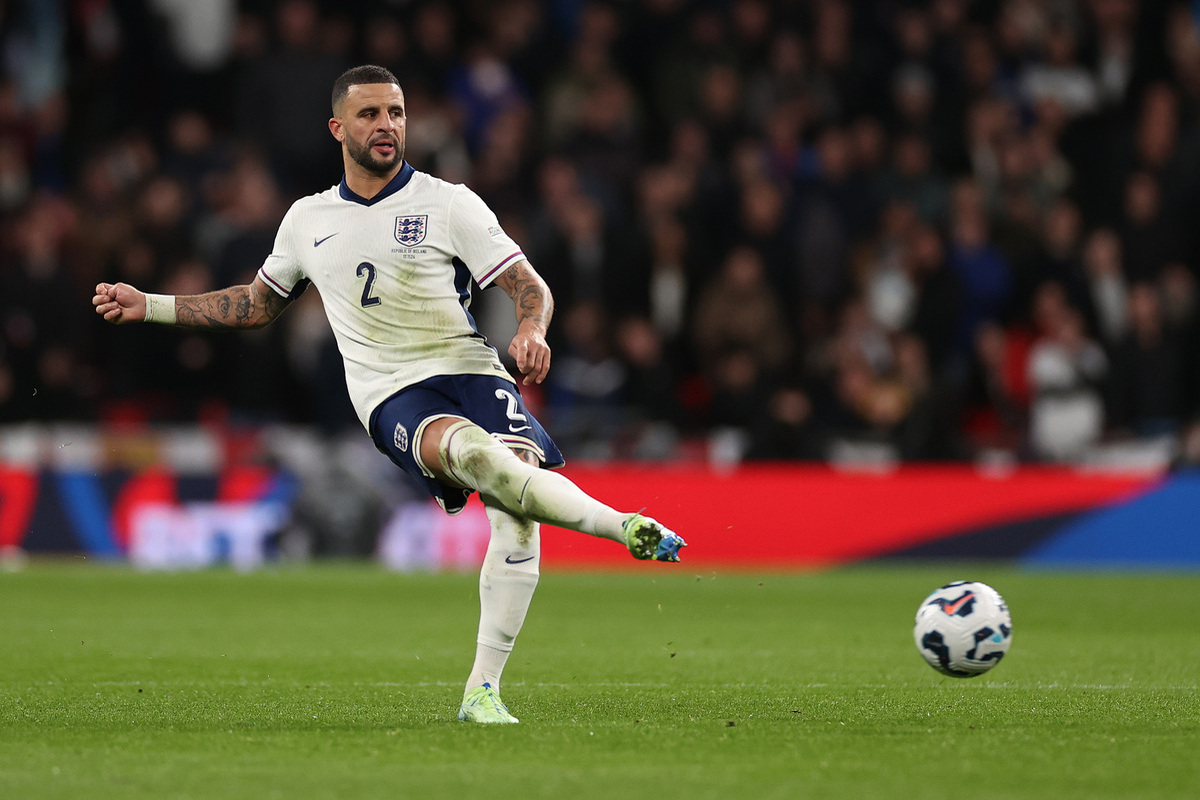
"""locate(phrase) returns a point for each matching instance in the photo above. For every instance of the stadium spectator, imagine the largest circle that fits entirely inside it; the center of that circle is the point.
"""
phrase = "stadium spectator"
(45, 375)
(995, 406)
(584, 395)
(1147, 374)
(482, 87)
(1059, 256)
(284, 83)
(1149, 240)
(589, 64)
(753, 333)
(824, 215)
(982, 270)
(1058, 76)
(781, 82)
(1066, 374)
(585, 257)
(913, 178)
(1107, 291)
(870, 391)
(668, 279)
(790, 428)
(651, 391)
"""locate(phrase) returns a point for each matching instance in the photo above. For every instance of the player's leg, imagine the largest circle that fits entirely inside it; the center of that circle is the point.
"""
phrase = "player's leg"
(507, 581)
(462, 453)
(415, 429)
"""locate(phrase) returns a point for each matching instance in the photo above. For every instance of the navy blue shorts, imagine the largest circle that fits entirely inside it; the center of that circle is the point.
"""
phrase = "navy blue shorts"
(490, 402)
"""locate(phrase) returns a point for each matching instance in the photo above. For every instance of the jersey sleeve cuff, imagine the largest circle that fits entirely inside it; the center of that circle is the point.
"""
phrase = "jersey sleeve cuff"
(274, 284)
(491, 274)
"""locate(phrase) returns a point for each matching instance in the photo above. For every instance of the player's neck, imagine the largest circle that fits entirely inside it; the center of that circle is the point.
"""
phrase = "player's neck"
(367, 184)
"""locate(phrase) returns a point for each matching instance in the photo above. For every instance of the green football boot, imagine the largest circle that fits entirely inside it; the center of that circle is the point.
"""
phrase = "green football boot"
(483, 704)
(649, 540)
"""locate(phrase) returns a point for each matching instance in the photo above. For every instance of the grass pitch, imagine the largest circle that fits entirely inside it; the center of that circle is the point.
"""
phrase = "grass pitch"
(342, 681)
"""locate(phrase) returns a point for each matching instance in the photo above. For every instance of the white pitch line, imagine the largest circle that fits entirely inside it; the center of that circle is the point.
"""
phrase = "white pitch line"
(641, 685)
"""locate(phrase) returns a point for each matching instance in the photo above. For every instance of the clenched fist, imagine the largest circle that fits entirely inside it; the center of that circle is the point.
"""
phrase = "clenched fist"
(119, 303)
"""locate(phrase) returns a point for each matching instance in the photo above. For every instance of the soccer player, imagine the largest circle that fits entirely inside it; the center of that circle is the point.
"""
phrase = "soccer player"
(393, 252)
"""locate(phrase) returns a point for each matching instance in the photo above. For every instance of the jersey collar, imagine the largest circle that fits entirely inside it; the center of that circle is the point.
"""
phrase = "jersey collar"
(394, 185)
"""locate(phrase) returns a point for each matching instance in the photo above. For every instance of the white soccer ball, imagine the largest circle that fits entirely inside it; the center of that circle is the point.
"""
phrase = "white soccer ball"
(963, 629)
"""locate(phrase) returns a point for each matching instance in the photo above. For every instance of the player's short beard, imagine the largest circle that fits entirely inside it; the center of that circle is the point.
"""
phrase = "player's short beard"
(365, 157)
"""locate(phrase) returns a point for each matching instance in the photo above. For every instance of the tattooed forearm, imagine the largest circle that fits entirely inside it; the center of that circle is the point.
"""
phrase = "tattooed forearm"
(226, 308)
(530, 294)
(236, 307)
(271, 303)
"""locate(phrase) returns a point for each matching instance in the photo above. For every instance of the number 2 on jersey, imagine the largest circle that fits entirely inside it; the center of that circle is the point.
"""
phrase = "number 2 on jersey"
(368, 269)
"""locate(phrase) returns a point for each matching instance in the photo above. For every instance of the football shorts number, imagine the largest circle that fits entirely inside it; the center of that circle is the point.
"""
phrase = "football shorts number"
(519, 421)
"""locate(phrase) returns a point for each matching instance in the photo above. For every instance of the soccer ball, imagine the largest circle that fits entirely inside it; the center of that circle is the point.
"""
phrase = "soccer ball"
(963, 629)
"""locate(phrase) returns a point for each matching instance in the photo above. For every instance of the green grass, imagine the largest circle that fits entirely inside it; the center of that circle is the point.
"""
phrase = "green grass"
(342, 681)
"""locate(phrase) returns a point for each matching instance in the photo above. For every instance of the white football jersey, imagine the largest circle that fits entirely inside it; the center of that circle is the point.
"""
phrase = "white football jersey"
(394, 273)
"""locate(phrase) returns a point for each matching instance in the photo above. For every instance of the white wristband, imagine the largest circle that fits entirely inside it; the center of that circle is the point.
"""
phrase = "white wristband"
(160, 308)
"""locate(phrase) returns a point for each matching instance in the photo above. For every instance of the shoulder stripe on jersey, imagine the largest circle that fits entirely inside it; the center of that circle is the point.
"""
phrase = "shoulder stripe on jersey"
(274, 284)
(496, 269)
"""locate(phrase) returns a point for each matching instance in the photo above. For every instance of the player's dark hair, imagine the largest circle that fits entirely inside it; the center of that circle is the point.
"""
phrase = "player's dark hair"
(367, 73)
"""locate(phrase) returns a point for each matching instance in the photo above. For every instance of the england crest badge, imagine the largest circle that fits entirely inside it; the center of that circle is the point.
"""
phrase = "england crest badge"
(410, 231)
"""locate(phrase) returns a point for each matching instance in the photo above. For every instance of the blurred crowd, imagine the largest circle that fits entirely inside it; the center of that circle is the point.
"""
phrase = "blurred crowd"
(777, 230)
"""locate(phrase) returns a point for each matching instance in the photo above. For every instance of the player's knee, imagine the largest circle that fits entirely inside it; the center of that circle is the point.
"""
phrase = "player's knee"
(435, 436)
(470, 455)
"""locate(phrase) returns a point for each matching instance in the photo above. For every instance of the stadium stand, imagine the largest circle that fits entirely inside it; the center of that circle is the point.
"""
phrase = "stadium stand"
(776, 230)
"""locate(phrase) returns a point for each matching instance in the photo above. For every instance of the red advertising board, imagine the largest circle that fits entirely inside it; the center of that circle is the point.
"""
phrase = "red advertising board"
(813, 515)
(778, 515)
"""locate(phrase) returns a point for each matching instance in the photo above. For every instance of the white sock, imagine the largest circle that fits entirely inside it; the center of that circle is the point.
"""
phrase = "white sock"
(488, 666)
(506, 583)
(479, 461)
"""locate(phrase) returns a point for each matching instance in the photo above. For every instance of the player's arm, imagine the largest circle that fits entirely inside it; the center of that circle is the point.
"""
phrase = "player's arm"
(534, 306)
(249, 306)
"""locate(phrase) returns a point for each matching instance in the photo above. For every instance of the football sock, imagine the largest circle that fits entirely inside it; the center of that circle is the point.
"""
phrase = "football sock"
(506, 583)
(489, 665)
(474, 458)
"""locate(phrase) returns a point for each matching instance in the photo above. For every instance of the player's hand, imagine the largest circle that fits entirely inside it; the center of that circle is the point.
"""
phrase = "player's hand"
(119, 303)
(532, 354)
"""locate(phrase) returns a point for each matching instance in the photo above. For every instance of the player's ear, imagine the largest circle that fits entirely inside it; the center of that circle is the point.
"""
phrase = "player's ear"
(335, 127)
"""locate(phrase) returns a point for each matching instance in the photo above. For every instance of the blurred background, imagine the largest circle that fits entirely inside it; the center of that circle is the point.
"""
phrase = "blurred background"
(845, 234)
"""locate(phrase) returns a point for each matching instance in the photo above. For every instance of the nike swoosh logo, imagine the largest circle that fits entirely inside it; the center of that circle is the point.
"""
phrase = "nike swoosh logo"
(518, 430)
(319, 242)
(950, 608)
(509, 560)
